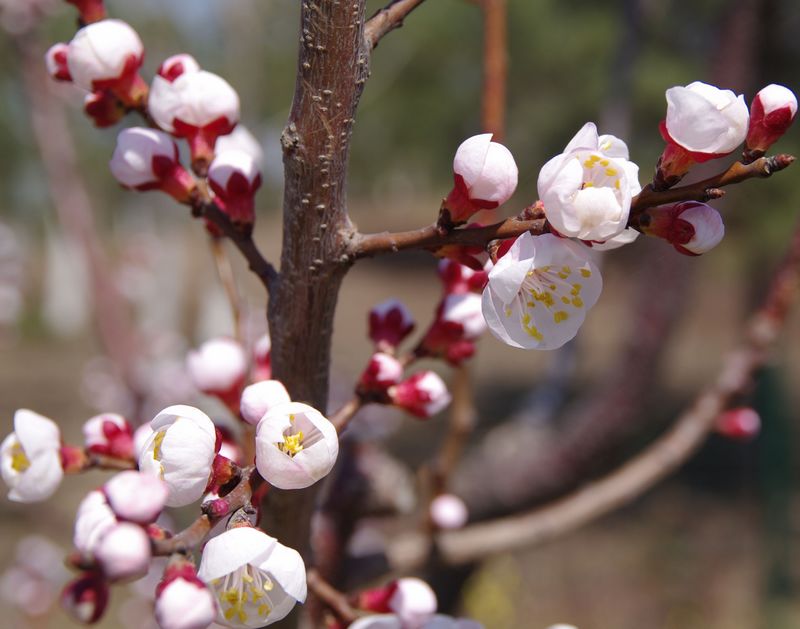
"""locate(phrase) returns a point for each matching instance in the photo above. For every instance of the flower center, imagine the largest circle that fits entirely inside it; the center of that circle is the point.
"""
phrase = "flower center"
(19, 460)
(244, 594)
(292, 444)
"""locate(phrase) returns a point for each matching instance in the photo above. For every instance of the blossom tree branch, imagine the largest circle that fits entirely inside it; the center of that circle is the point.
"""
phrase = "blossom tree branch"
(654, 464)
(433, 237)
(495, 67)
(387, 19)
(330, 596)
(228, 281)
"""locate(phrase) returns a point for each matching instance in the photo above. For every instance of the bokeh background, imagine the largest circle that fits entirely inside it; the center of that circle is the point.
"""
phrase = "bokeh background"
(715, 547)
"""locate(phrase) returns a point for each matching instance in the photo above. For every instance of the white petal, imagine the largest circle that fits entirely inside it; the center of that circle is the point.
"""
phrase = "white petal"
(287, 568)
(470, 157)
(233, 549)
(36, 432)
(586, 138)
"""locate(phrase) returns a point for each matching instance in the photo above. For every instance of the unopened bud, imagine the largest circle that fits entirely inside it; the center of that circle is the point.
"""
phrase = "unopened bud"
(103, 108)
(424, 394)
(176, 65)
(234, 177)
(691, 227)
(109, 434)
(56, 60)
(739, 424)
(382, 371)
(86, 598)
(771, 114)
(123, 552)
(389, 323)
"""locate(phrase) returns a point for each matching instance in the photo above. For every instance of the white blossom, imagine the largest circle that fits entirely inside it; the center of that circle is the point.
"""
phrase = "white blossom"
(93, 519)
(135, 496)
(143, 157)
(194, 99)
(123, 551)
(261, 397)
(185, 604)
(31, 458)
(218, 365)
(103, 51)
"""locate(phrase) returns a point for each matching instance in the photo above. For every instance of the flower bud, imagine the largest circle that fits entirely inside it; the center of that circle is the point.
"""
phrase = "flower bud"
(103, 108)
(90, 10)
(260, 398)
(176, 65)
(199, 106)
(262, 359)
(182, 600)
(56, 60)
(241, 139)
(256, 580)
(86, 598)
(424, 394)
(389, 323)
(771, 114)
(30, 458)
(691, 227)
(485, 177)
(123, 552)
(703, 122)
(459, 321)
(136, 497)
(234, 177)
(448, 511)
(146, 159)
(109, 434)
(93, 519)
(219, 368)
(459, 278)
(739, 424)
(180, 452)
(411, 599)
(295, 446)
(107, 55)
(383, 371)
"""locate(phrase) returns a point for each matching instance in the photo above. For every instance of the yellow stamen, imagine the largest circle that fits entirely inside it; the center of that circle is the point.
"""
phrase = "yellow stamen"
(19, 460)
(559, 316)
(292, 444)
(586, 273)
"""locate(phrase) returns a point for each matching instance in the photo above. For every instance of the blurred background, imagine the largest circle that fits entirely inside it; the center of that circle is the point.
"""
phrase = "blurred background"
(716, 546)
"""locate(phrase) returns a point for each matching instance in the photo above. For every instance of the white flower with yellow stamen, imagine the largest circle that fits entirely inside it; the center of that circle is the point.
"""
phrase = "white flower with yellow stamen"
(587, 189)
(30, 458)
(180, 452)
(295, 446)
(255, 579)
(539, 292)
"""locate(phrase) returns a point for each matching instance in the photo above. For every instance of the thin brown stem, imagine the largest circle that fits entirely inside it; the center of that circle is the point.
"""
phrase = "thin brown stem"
(433, 237)
(459, 428)
(387, 19)
(495, 67)
(228, 281)
(335, 600)
(341, 418)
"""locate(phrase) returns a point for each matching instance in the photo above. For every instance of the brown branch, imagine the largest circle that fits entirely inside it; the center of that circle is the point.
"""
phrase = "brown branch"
(330, 596)
(387, 19)
(654, 464)
(495, 67)
(434, 237)
(341, 418)
(228, 281)
(459, 428)
(193, 535)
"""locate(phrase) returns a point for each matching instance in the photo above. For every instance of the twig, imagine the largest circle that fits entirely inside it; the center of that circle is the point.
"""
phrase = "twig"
(341, 418)
(495, 67)
(433, 237)
(228, 281)
(332, 597)
(655, 463)
(387, 19)
(215, 510)
(462, 422)
(103, 462)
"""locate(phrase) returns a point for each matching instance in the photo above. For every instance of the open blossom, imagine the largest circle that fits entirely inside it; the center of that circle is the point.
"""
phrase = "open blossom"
(771, 114)
(540, 291)
(382, 371)
(587, 189)
(256, 580)
(107, 55)
(109, 434)
(182, 600)
(31, 458)
(123, 551)
(458, 323)
(740, 424)
(136, 497)
(176, 65)
(147, 159)
(93, 519)
(423, 395)
(180, 452)
(219, 367)
(691, 227)
(260, 398)
(56, 61)
(295, 446)
(86, 598)
(199, 106)
(234, 177)
(389, 323)
(485, 177)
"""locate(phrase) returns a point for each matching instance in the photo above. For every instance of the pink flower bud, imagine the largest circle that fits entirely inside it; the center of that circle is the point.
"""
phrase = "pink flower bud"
(86, 598)
(219, 368)
(260, 398)
(103, 108)
(424, 394)
(234, 177)
(136, 497)
(109, 434)
(176, 65)
(459, 278)
(56, 60)
(383, 371)
(485, 177)
(262, 369)
(691, 227)
(90, 10)
(389, 323)
(739, 424)
(184, 602)
(30, 458)
(199, 106)
(459, 321)
(107, 55)
(93, 519)
(123, 552)
(146, 159)
(411, 599)
(771, 114)
(448, 512)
